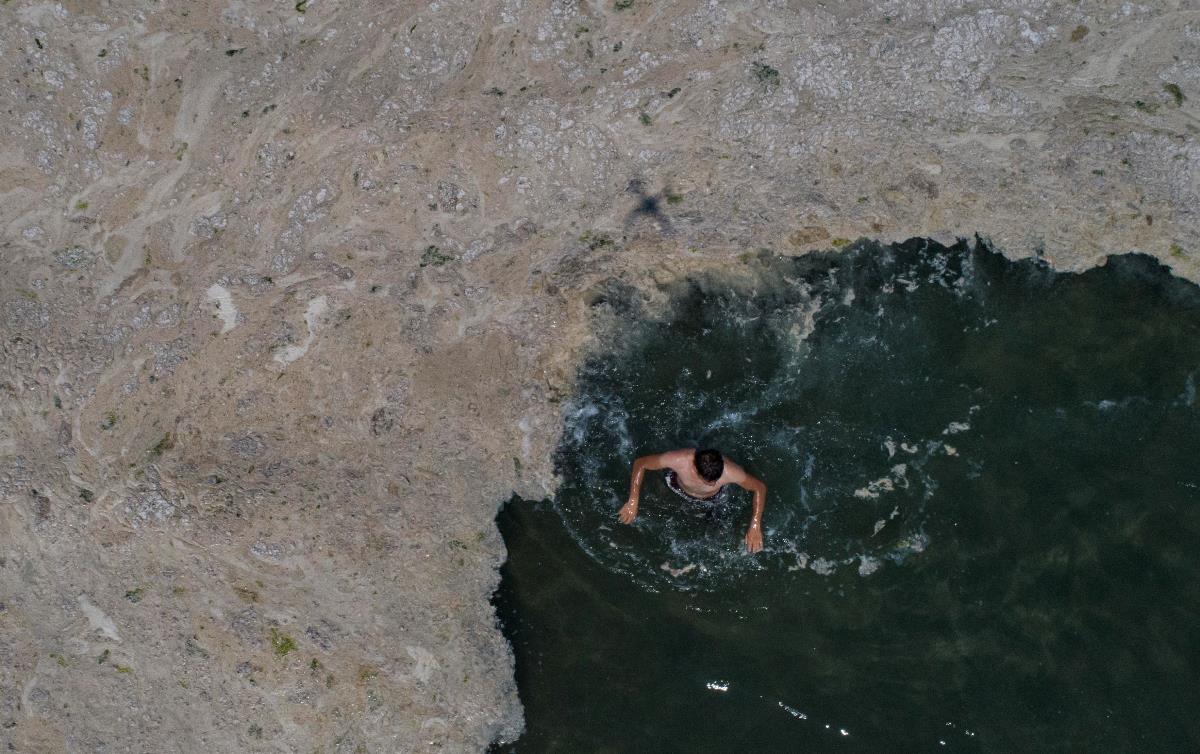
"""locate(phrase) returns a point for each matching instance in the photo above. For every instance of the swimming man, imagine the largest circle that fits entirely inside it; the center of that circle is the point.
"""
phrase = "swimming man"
(699, 476)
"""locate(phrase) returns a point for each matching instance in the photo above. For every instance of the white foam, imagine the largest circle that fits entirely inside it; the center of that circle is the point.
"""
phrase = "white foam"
(425, 663)
(575, 417)
(221, 298)
(884, 484)
(823, 566)
(526, 429)
(793, 711)
(875, 489)
(677, 572)
(97, 619)
(316, 308)
(801, 562)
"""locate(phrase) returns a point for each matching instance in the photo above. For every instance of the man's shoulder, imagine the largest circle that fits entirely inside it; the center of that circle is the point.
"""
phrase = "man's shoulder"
(733, 473)
(681, 460)
(678, 456)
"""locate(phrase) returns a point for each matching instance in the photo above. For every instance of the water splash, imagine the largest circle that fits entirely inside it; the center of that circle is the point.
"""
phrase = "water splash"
(765, 372)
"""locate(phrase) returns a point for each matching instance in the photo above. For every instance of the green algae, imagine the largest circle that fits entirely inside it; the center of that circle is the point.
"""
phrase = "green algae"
(281, 644)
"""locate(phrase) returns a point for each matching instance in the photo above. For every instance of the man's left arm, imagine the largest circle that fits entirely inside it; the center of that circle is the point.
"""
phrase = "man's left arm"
(754, 485)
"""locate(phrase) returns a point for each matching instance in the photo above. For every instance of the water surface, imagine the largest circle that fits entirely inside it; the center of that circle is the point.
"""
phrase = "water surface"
(982, 527)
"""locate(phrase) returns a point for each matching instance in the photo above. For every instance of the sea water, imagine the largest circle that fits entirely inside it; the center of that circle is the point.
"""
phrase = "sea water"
(982, 526)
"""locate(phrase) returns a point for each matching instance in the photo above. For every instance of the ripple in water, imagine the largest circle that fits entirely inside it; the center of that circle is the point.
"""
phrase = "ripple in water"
(981, 531)
(809, 374)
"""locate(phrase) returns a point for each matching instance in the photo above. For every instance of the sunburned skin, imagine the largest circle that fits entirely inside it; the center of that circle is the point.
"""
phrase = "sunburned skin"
(683, 463)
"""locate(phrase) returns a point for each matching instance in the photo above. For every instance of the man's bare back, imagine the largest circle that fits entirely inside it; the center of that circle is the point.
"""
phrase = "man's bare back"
(700, 474)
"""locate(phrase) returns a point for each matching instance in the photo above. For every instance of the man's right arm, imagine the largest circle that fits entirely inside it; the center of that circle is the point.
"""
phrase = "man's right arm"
(640, 466)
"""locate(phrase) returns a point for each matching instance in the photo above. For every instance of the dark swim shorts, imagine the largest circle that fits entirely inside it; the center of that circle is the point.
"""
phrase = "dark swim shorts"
(713, 507)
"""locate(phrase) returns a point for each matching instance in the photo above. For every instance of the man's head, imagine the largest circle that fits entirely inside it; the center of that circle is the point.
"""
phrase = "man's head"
(710, 464)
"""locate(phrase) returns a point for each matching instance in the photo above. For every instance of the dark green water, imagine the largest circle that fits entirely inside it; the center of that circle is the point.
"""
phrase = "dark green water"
(983, 524)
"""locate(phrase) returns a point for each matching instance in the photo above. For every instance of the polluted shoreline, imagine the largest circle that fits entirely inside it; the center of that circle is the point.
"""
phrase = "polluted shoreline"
(907, 481)
(293, 295)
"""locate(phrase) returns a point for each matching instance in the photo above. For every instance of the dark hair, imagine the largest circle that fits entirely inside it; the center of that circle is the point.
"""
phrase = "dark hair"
(710, 464)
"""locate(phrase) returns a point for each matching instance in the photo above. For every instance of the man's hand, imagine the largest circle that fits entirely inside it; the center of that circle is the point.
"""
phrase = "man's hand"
(641, 465)
(754, 537)
(738, 476)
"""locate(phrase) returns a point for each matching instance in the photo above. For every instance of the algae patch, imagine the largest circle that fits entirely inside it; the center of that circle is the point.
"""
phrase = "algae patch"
(281, 644)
